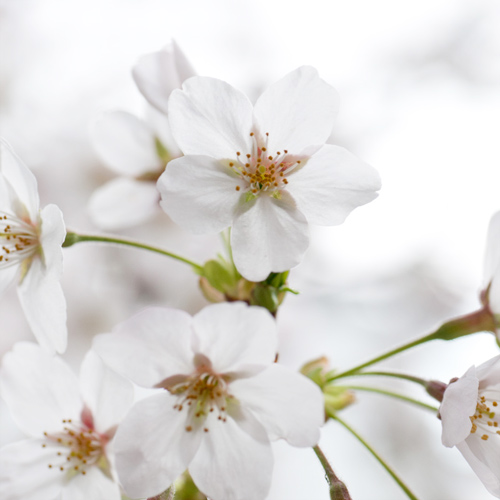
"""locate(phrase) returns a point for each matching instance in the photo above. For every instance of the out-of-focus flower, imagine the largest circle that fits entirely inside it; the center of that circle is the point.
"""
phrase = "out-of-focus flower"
(31, 248)
(138, 150)
(264, 170)
(225, 399)
(159, 73)
(70, 423)
(471, 422)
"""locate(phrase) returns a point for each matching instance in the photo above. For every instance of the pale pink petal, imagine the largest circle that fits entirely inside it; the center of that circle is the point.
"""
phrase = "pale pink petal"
(158, 74)
(492, 263)
(489, 374)
(209, 117)
(21, 180)
(459, 404)
(125, 144)
(40, 390)
(108, 395)
(123, 202)
(235, 459)
(289, 405)
(484, 459)
(199, 193)
(297, 111)
(331, 184)
(149, 347)
(268, 235)
(44, 306)
(234, 335)
(25, 472)
(94, 485)
(153, 447)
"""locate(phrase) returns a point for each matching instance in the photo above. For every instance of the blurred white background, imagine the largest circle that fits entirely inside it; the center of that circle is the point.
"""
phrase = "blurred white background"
(419, 85)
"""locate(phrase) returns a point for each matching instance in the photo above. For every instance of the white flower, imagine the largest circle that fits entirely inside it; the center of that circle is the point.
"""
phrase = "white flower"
(266, 171)
(225, 399)
(471, 422)
(138, 150)
(70, 424)
(31, 248)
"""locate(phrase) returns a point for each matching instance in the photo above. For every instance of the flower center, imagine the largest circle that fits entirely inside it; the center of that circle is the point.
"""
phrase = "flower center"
(261, 171)
(18, 240)
(485, 419)
(200, 393)
(79, 447)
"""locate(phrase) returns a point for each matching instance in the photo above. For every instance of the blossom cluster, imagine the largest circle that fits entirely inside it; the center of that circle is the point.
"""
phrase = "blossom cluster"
(167, 395)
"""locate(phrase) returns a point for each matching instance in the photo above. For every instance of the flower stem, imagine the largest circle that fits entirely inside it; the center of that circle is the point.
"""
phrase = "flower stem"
(338, 490)
(478, 321)
(392, 473)
(391, 394)
(72, 238)
(403, 376)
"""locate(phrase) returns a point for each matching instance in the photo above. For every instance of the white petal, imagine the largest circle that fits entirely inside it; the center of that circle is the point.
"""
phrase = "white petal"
(288, 404)
(234, 461)
(297, 111)
(159, 123)
(108, 395)
(25, 473)
(331, 184)
(459, 404)
(94, 485)
(44, 305)
(40, 390)
(53, 234)
(125, 144)
(209, 117)
(21, 180)
(234, 335)
(492, 263)
(149, 347)
(7, 277)
(158, 74)
(268, 235)
(199, 193)
(152, 446)
(484, 459)
(40, 292)
(123, 202)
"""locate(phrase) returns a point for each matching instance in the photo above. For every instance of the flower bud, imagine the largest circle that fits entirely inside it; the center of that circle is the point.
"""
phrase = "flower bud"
(337, 398)
(436, 389)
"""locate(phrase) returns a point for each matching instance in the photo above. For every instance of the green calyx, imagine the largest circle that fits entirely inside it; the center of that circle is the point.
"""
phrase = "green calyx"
(336, 397)
(221, 282)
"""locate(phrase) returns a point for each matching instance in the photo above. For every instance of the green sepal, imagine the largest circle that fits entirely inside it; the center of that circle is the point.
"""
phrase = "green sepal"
(219, 276)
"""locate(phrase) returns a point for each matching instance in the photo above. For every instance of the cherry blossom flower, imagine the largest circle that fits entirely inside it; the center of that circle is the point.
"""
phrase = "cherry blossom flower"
(471, 421)
(224, 400)
(71, 425)
(266, 171)
(138, 150)
(31, 248)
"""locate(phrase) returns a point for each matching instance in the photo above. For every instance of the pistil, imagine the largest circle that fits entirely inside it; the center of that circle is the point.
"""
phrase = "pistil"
(261, 171)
